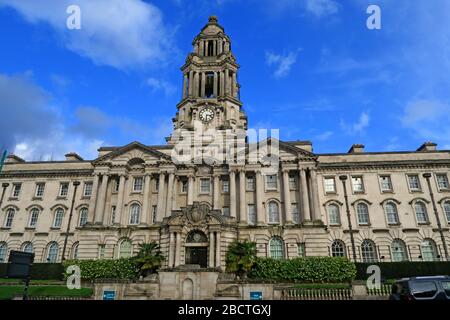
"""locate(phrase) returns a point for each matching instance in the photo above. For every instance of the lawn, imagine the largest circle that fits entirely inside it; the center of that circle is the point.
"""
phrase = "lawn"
(42, 282)
(9, 292)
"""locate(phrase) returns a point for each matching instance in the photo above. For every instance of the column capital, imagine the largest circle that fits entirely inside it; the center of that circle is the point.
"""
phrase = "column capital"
(285, 170)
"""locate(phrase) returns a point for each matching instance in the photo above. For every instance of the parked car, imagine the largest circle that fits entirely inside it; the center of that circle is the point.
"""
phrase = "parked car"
(421, 288)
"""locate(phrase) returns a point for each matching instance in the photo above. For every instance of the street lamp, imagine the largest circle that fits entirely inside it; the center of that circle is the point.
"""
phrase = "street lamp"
(427, 176)
(344, 178)
(76, 184)
(4, 185)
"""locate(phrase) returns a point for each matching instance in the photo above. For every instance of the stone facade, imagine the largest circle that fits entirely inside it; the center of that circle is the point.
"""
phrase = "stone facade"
(139, 193)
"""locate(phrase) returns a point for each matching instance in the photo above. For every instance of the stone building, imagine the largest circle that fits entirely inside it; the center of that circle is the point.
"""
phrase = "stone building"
(194, 209)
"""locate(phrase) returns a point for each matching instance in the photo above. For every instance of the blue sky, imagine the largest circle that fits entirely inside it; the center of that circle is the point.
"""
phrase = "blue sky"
(308, 67)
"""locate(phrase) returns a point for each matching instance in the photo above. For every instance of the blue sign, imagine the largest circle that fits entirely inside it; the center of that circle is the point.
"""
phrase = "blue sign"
(109, 295)
(256, 295)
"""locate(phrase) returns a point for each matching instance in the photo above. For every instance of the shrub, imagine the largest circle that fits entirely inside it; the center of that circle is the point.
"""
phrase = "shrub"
(240, 258)
(121, 269)
(149, 258)
(306, 270)
(396, 270)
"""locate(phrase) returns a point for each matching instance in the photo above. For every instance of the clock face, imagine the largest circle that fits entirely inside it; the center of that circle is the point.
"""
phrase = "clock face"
(206, 115)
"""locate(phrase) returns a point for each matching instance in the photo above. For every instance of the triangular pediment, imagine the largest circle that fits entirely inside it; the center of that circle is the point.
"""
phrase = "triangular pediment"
(132, 151)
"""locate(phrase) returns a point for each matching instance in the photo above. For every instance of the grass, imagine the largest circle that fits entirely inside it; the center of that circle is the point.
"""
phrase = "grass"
(18, 281)
(9, 292)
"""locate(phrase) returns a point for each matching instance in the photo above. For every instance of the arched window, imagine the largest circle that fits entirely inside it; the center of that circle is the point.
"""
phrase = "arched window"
(429, 250)
(27, 247)
(59, 215)
(274, 213)
(362, 211)
(135, 214)
(3, 252)
(391, 213)
(34, 215)
(196, 236)
(334, 217)
(9, 218)
(447, 210)
(52, 252)
(421, 212)
(125, 249)
(338, 248)
(399, 252)
(75, 251)
(83, 216)
(368, 251)
(276, 245)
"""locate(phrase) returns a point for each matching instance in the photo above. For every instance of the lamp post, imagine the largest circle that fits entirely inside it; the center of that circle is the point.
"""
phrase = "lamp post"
(4, 186)
(427, 176)
(344, 178)
(75, 184)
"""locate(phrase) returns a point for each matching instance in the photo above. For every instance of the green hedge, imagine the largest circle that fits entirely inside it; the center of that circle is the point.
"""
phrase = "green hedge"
(120, 269)
(396, 270)
(40, 271)
(306, 270)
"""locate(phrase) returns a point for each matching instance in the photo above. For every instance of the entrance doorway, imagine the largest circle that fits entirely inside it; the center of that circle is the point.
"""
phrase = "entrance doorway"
(196, 255)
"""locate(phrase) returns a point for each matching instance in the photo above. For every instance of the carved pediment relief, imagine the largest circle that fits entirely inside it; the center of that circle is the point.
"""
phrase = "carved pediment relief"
(199, 215)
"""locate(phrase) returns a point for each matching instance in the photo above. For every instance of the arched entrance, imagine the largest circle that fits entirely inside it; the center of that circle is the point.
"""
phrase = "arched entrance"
(197, 248)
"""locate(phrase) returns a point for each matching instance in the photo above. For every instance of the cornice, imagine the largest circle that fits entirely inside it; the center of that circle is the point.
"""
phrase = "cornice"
(46, 173)
(412, 164)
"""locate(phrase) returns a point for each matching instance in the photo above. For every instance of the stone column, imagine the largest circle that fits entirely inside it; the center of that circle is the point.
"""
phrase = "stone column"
(211, 250)
(119, 206)
(227, 81)
(218, 260)
(177, 249)
(220, 46)
(216, 192)
(197, 84)
(161, 197)
(260, 214)
(203, 86)
(214, 48)
(185, 80)
(216, 79)
(315, 195)
(191, 190)
(145, 204)
(234, 85)
(175, 193)
(169, 194)
(100, 210)
(222, 83)
(191, 83)
(287, 197)
(233, 194)
(202, 48)
(242, 199)
(305, 197)
(171, 249)
(93, 200)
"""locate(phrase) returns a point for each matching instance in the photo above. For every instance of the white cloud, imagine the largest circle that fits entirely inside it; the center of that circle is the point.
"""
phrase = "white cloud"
(325, 136)
(117, 33)
(161, 85)
(282, 63)
(359, 126)
(321, 8)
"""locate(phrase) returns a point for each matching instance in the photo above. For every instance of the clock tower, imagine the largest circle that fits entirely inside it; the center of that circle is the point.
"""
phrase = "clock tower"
(211, 99)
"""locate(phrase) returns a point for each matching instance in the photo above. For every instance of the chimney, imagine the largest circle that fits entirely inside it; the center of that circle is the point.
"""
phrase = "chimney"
(72, 156)
(428, 146)
(12, 158)
(357, 148)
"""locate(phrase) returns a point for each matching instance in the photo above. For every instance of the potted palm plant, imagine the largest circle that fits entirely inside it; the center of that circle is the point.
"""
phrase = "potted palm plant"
(240, 258)
(149, 258)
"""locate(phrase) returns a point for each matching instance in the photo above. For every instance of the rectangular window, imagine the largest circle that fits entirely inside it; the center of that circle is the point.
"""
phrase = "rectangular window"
(64, 190)
(292, 183)
(87, 189)
(184, 186)
(442, 181)
(17, 187)
(154, 210)
(101, 251)
(295, 213)
(301, 250)
(330, 185)
(113, 214)
(271, 182)
(225, 186)
(251, 214)
(40, 188)
(156, 185)
(357, 184)
(250, 184)
(205, 186)
(226, 211)
(138, 183)
(116, 185)
(414, 182)
(385, 184)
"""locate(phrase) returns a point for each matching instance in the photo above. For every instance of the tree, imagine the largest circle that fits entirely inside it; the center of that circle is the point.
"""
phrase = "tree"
(149, 258)
(240, 258)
